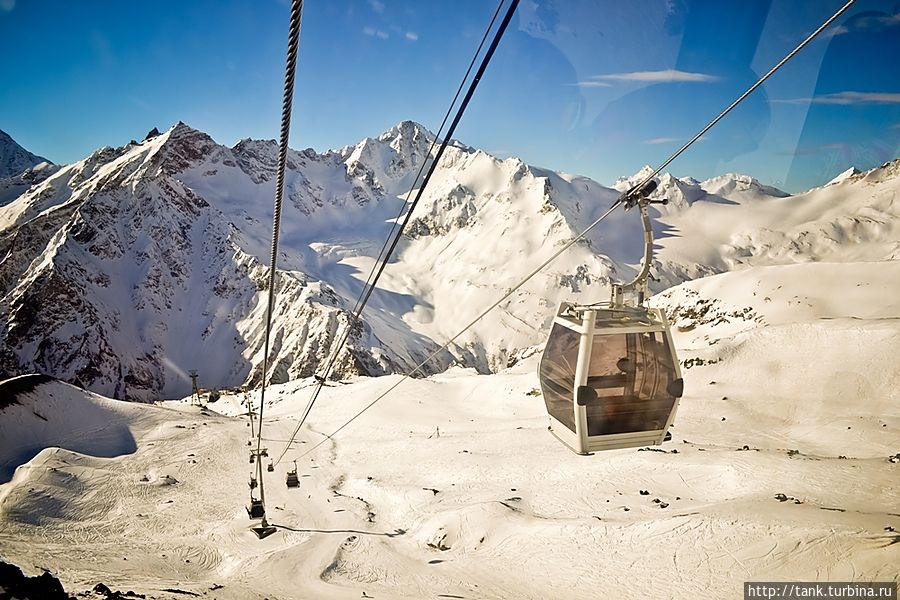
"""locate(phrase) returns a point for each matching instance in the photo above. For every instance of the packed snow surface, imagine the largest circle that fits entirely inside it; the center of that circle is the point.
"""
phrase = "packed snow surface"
(784, 466)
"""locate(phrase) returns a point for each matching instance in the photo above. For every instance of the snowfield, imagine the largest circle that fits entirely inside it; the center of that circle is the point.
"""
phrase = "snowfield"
(784, 466)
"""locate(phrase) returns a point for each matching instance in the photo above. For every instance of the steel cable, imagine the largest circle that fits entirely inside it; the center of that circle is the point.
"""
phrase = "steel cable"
(371, 288)
(289, 79)
(623, 199)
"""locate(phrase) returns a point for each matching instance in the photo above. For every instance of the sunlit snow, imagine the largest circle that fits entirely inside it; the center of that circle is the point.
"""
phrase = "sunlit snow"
(784, 460)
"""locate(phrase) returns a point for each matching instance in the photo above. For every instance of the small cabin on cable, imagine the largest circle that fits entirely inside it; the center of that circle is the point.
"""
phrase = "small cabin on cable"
(256, 510)
(292, 479)
(610, 377)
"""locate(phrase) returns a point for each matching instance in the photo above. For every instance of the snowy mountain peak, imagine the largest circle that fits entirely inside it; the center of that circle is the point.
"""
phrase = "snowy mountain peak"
(844, 176)
(888, 171)
(180, 147)
(406, 133)
(14, 159)
(390, 161)
(626, 183)
(734, 183)
(679, 192)
(136, 264)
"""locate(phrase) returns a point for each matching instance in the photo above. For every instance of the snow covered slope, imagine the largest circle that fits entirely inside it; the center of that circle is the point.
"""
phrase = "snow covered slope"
(39, 412)
(732, 222)
(784, 467)
(807, 352)
(121, 276)
(126, 270)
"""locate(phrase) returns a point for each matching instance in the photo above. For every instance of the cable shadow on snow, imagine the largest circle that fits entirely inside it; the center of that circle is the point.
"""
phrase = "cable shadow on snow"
(395, 533)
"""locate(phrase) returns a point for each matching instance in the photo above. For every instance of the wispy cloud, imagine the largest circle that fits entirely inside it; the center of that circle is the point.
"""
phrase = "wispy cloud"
(839, 30)
(813, 150)
(847, 98)
(140, 103)
(411, 36)
(373, 32)
(867, 22)
(666, 76)
(662, 140)
(376, 6)
(7, 5)
(590, 83)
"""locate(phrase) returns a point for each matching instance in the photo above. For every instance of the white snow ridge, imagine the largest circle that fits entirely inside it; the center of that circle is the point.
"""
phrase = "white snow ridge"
(123, 272)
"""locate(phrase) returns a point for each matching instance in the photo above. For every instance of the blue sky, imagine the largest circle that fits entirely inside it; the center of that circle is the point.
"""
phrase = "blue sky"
(587, 87)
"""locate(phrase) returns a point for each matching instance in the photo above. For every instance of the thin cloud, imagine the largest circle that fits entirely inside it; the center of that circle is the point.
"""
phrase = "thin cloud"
(839, 30)
(592, 84)
(140, 103)
(376, 6)
(411, 36)
(662, 140)
(373, 32)
(868, 22)
(666, 76)
(812, 150)
(847, 98)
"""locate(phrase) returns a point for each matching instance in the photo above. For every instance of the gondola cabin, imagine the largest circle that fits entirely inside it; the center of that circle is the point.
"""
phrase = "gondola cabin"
(256, 510)
(610, 377)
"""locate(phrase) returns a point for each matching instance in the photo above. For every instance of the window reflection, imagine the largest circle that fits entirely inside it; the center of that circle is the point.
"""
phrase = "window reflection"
(557, 374)
(631, 374)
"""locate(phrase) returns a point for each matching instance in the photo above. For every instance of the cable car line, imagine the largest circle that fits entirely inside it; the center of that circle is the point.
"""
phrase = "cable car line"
(635, 196)
(257, 508)
(383, 254)
(462, 331)
(749, 91)
(498, 35)
(438, 135)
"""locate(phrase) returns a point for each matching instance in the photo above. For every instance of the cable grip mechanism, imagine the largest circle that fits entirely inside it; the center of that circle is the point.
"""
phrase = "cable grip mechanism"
(634, 292)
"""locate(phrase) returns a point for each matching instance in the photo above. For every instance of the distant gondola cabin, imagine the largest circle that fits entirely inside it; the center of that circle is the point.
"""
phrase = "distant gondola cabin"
(609, 377)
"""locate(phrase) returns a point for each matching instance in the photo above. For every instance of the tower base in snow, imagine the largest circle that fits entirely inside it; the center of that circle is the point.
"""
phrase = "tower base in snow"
(263, 530)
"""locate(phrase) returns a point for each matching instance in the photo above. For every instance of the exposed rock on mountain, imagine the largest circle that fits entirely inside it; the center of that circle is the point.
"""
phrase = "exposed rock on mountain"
(124, 271)
(14, 159)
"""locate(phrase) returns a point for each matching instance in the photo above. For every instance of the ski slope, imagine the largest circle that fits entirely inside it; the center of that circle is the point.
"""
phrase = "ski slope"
(784, 466)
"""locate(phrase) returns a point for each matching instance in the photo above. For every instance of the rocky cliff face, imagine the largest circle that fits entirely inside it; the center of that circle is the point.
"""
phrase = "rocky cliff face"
(120, 276)
(14, 159)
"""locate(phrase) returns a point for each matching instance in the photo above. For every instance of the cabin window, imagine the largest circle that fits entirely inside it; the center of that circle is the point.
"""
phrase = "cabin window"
(631, 373)
(557, 374)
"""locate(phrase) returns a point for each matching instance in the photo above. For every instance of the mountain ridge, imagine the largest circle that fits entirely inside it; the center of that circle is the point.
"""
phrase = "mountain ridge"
(127, 269)
(14, 159)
